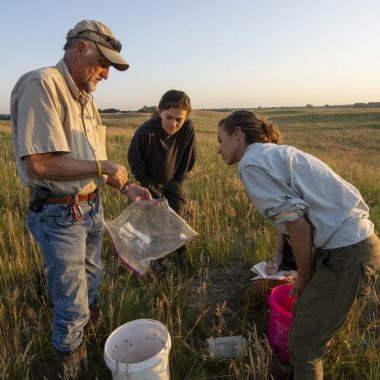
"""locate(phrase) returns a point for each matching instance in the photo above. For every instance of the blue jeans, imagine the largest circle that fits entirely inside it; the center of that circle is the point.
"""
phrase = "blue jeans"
(71, 251)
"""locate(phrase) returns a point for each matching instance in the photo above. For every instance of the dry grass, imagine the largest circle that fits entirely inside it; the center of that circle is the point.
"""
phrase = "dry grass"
(232, 238)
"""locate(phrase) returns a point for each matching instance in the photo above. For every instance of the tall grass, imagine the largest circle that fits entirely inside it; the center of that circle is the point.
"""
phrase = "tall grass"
(232, 238)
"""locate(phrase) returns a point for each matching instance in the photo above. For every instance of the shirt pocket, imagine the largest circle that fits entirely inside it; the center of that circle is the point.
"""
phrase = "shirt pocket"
(100, 141)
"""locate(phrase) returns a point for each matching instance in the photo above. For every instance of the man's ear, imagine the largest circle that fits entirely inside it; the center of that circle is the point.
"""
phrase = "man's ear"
(80, 46)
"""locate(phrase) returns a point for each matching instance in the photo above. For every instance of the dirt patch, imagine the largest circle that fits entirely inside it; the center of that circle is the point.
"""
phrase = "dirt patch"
(219, 293)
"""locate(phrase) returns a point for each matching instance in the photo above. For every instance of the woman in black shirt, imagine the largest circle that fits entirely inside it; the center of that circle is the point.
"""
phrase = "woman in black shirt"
(162, 152)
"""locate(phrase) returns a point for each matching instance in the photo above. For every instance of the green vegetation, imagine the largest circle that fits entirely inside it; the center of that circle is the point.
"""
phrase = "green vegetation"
(148, 109)
(210, 301)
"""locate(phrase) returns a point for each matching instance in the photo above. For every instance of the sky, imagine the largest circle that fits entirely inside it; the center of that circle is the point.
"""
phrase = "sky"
(222, 53)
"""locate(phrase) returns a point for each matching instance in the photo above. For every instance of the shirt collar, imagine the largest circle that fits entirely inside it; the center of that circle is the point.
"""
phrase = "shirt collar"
(250, 146)
(81, 97)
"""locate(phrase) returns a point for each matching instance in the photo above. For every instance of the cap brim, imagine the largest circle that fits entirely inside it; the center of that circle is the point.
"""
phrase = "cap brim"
(117, 61)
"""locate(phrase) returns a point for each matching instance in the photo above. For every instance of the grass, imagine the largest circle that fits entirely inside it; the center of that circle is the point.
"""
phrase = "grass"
(232, 238)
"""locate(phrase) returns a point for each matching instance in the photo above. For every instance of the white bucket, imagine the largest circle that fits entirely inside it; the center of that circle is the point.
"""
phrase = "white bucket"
(139, 350)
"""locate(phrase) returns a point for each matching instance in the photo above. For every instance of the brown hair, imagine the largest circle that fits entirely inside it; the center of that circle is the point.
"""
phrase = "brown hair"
(173, 99)
(255, 128)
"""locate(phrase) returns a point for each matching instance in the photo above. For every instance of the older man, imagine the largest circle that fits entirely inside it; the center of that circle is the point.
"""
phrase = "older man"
(60, 150)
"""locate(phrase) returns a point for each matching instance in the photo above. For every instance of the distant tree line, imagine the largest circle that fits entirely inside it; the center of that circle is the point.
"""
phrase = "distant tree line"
(220, 109)
(355, 105)
(112, 110)
(367, 105)
(109, 110)
(145, 109)
(151, 109)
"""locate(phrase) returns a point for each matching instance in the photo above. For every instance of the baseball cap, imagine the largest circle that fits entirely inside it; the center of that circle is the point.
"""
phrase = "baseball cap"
(104, 39)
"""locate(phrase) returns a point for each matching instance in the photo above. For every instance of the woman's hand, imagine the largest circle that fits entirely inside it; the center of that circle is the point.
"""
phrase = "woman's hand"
(298, 287)
(137, 193)
(271, 268)
(291, 275)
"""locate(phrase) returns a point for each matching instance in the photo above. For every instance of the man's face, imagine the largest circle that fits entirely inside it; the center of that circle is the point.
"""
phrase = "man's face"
(92, 68)
(172, 119)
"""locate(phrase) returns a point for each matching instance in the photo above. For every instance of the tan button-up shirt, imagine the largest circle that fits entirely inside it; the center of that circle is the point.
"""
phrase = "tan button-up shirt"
(49, 114)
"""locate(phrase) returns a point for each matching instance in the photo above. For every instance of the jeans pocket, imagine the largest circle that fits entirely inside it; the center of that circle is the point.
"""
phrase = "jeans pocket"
(31, 225)
(60, 214)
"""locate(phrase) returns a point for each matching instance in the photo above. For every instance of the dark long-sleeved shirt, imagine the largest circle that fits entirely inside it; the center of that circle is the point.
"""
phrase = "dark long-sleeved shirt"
(157, 158)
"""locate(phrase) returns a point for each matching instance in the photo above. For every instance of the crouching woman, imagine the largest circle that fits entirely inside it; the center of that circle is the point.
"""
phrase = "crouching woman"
(308, 201)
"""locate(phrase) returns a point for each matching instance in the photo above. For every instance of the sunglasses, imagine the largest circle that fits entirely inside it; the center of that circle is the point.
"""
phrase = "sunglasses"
(100, 38)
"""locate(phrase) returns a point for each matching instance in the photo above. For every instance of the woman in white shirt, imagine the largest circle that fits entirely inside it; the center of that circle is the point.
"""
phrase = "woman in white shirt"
(308, 201)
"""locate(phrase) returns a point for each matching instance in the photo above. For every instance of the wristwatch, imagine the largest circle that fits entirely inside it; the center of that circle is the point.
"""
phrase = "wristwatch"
(124, 189)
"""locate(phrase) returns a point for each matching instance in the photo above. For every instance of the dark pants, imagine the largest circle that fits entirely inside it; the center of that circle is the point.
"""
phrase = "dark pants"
(341, 276)
(176, 202)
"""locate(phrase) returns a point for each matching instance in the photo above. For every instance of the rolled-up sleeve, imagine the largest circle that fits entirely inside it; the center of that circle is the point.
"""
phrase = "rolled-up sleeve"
(271, 196)
(39, 128)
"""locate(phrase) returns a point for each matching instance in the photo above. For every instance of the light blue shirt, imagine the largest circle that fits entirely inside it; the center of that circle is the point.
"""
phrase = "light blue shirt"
(285, 183)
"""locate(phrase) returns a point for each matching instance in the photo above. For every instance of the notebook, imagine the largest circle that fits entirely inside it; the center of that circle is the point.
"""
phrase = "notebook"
(259, 269)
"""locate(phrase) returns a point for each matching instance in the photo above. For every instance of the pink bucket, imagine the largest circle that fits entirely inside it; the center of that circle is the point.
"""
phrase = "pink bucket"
(280, 318)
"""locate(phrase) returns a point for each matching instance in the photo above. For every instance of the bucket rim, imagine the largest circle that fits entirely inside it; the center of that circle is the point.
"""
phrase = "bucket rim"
(226, 339)
(275, 290)
(131, 366)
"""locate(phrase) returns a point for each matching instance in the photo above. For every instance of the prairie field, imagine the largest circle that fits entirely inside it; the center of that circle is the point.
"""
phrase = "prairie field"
(210, 300)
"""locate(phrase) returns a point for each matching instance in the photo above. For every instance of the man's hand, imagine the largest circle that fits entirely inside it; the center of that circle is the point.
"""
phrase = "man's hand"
(117, 174)
(137, 193)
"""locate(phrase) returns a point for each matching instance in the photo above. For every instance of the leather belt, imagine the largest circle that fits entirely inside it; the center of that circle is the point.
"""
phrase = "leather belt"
(74, 199)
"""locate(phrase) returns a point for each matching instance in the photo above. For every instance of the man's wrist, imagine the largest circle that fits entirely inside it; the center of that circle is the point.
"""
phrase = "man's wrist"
(99, 168)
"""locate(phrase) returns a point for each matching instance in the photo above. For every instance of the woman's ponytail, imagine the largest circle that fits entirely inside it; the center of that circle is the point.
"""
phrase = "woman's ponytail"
(255, 128)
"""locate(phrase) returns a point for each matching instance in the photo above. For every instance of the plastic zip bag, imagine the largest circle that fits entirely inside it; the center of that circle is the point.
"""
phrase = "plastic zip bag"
(147, 231)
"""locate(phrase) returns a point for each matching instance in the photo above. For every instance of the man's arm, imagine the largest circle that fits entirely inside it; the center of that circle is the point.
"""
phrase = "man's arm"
(300, 233)
(57, 167)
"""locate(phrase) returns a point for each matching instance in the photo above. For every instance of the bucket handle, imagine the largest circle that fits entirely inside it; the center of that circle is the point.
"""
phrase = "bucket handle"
(129, 376)
(155, 363)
